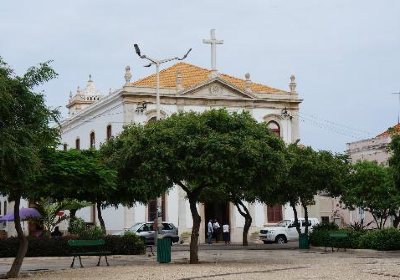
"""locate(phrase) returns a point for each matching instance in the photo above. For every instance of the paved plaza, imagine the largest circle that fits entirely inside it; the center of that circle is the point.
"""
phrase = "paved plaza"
(272, 262)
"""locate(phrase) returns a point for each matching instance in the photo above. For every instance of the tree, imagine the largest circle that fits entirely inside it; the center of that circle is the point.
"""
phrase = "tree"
(372, 188)
(394, 163)
(194, 151)
(24, 131)
(251, 173)
(77, 175)
(307, 173)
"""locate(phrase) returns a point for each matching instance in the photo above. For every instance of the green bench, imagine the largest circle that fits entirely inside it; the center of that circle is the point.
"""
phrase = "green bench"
(88, 248)
(335, 238)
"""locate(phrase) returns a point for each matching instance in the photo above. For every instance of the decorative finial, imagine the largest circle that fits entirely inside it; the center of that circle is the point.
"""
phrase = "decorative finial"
(90, 78)
(248, 82)
(70, 95)
(128, 75)
(78, 91)
(292, 84)
(110, 91)
(178, 80)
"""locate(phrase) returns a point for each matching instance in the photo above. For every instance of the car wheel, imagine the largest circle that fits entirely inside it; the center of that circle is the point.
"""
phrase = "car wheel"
(280, 239)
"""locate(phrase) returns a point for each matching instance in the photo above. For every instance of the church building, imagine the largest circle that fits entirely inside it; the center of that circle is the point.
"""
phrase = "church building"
(94, 117)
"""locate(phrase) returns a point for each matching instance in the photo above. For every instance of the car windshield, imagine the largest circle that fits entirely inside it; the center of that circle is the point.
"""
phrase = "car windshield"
(283, 223)
(135, 227)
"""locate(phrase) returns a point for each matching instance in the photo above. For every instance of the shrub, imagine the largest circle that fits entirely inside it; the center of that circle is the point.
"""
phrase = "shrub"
(326, 226)
(320, 234)
(382, 239)
(79, 227)
(321, 238)
(47, 246)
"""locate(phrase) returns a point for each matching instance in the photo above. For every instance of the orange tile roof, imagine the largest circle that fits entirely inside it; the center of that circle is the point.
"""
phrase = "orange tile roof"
(193, 75)
(392, 130)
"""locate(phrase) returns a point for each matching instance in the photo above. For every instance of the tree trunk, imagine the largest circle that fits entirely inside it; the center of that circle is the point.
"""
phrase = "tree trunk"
(23, 242)
(247, 221)
(305, 218)
(396, 220)
(99, 215)
(296, 217)
(72, 214)
(194, 256)
(376, 221)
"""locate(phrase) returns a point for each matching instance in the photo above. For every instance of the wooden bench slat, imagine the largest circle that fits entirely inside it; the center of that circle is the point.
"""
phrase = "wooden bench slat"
(338, 235)
(83, 243)
(91, 253)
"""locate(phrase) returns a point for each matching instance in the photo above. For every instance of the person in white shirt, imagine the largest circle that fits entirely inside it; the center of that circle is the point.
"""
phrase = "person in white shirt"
(225, 231)
(216, 228)
(209, 231)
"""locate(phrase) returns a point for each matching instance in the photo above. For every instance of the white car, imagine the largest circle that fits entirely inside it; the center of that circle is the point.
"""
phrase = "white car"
(285, 231)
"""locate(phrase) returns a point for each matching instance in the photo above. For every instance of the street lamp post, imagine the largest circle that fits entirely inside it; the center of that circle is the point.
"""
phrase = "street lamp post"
(157, 63)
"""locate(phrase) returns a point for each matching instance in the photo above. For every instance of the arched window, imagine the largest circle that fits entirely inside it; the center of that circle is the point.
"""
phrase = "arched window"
(109, 132)
(0, 208)
(65, 147)
(275, 128)
(78, 143)
(92, 140)
(5, 208)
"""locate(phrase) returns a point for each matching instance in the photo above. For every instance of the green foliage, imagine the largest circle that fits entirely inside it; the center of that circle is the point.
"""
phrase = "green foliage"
(130, 233)
(197, 151)
(381, 239)
(207, 150)
(48, 211)
(25, 128)
(326, 226)
(356, 226)
(384, 239)
(79, 227)
(321, 238)
(394, 161)
(74, 174)
(51, 247)
(25, 131)
(307, 173)
(371, 187)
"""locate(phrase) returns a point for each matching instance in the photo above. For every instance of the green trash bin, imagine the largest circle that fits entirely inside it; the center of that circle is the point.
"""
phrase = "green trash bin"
(163, 250)
(303, 241)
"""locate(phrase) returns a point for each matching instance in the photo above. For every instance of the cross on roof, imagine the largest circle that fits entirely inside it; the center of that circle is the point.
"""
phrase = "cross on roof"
(213, 42)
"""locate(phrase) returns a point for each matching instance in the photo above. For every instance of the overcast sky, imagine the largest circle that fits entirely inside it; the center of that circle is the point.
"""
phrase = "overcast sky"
(345, 54)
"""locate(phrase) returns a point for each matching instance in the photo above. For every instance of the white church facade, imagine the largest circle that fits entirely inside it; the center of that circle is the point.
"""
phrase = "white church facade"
(94, 118)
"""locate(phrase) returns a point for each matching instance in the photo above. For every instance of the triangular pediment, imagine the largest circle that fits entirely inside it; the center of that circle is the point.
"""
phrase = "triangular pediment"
(216, 88)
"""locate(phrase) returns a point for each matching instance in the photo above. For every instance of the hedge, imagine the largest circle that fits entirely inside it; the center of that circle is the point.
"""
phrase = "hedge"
(383, 240)
(51, 246)
(321, 238)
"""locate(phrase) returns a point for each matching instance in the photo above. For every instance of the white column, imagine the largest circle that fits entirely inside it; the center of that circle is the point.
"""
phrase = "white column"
(181, 210)
(129, 217)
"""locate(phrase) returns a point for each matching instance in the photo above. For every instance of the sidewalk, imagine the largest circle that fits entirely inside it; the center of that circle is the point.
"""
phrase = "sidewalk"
(179, 252)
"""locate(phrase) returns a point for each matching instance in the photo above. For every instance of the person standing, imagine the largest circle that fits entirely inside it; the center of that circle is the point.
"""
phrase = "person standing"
(225, 231)
(209, 231)
(216, 228)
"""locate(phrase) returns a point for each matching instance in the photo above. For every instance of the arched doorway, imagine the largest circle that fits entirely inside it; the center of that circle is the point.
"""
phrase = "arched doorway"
(216, 210)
